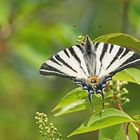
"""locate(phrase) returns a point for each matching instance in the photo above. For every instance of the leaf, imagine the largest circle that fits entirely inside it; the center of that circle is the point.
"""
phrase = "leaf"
(137, 118)
(101, 120)
(77, 94)
(113, 133)
(76, 100)
(73, 107)
(132, 74)
(120, 39)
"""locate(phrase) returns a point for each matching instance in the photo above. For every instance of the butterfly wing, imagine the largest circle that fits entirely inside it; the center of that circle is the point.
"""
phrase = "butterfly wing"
(88, 59)
(114, 58)
(111, 59)
(67, 63)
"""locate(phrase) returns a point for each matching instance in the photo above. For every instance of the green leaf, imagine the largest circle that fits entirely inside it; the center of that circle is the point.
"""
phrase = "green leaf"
(137, 118)
(75, 95)
(120, 39)
(77, 100)
(132, 74)
(101, 120)
(113, 133)
(78, 105)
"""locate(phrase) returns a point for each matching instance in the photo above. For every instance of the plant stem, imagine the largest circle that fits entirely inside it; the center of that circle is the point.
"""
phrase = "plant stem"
(126, 130)
(118, 106)
(138, 134)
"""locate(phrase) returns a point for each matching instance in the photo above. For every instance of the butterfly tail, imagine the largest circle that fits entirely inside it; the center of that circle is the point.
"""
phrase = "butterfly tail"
(90, 93)
(102, 95)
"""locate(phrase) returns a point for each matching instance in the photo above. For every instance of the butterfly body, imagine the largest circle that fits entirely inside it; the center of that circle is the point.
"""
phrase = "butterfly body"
(90, 64)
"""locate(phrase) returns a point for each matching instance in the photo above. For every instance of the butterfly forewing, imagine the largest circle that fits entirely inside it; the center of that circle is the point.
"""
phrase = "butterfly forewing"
(113, 58)
(66, 63)
(90, 59)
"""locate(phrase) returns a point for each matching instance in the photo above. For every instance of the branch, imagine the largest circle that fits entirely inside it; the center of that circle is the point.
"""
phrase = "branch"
(118, 106)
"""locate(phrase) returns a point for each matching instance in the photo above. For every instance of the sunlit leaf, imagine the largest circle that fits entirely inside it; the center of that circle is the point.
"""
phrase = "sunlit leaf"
(73, 107)
(77, 100)
(101, 120)
(76, 96)
(137, 118)
(130, 75)
(114, 132)
(121, 39)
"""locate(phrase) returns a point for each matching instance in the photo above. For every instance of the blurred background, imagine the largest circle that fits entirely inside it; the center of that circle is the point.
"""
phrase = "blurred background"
(33, 30)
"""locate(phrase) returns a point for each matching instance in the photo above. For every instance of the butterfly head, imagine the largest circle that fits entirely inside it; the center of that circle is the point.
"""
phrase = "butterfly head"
(93, 80)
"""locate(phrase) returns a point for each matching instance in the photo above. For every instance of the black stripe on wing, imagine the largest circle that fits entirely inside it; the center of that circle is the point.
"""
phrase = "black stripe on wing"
(103, 51)
(62, 61)
(46, 69)
(111, 47)
(116, 57)
(80, 48)
(73, 53)
(96, 45)
(126, 51)
(53, 60)
(65, 51)
(132, 61)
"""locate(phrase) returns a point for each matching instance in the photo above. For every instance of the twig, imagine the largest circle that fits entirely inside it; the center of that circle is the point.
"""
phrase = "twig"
(126, 130)
(118, 106)
(138, 134)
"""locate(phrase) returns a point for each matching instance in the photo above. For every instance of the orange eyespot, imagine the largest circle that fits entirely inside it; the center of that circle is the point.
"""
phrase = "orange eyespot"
(93, 79)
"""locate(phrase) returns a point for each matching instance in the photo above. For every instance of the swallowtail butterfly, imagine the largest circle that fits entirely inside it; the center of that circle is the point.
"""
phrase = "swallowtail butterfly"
(90, 64)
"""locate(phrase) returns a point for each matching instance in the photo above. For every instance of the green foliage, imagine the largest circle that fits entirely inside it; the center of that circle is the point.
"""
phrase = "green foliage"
(102, 120)
(33, 30)
(114, 132)
(71, 102)
(76, 100)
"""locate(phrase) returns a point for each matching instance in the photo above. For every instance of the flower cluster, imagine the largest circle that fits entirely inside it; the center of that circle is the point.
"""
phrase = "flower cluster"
(46, 128)
(118, 89)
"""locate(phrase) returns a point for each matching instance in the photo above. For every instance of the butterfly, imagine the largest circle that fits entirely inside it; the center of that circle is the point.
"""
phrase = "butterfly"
(90, 64)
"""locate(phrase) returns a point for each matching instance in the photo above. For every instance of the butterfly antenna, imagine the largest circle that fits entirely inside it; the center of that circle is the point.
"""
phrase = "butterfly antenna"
(102, 95)
(96, 30)
(78, 29)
